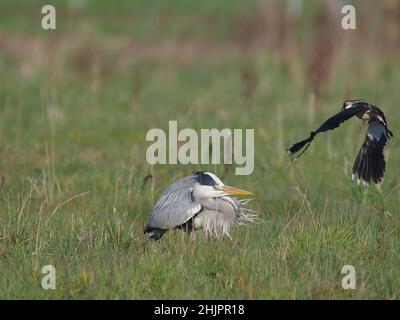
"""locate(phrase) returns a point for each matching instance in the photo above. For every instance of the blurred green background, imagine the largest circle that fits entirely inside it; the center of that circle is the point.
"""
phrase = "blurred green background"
(76, 104)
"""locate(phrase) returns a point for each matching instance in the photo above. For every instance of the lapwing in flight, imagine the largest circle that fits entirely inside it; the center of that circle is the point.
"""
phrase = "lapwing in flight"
(369, 165)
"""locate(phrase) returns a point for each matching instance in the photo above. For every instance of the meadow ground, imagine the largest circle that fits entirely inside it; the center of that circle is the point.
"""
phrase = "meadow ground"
(75, 107)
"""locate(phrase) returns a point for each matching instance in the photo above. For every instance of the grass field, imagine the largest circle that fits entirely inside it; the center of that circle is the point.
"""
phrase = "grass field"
(76, 104)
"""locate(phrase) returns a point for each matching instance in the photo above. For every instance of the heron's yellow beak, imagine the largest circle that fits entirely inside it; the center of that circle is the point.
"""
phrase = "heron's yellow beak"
(234, 191)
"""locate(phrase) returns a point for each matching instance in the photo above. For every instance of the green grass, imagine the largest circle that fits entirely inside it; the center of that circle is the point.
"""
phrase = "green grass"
(78, 127)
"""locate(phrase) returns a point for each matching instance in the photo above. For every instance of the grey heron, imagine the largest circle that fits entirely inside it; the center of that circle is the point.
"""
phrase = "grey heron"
(370, 161)
(200, 201)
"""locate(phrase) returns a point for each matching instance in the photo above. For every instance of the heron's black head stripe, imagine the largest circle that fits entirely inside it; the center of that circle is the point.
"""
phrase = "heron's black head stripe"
(205, 179)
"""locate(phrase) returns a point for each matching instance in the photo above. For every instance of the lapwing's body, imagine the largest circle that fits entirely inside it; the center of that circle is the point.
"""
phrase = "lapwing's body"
(369, 165)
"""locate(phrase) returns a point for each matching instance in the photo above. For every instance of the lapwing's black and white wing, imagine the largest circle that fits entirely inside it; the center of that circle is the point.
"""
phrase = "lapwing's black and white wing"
(370, 162)
(330, 124)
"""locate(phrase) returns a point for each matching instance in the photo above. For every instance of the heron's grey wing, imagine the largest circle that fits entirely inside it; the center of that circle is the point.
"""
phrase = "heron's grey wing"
(175, 206)
(370, 162)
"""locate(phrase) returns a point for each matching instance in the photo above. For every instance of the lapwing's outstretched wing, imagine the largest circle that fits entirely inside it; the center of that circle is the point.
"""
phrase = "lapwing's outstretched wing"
(330, 124)
(370, 162)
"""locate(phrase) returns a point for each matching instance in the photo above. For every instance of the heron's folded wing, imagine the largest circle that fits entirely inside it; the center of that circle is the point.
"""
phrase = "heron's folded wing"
(176, 205)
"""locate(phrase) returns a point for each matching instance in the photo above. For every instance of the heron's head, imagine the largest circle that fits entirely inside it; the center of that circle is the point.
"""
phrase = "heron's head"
(210, 186)
(349, 103)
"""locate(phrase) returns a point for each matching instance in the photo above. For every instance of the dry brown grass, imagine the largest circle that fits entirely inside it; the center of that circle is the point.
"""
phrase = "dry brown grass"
(270, 27)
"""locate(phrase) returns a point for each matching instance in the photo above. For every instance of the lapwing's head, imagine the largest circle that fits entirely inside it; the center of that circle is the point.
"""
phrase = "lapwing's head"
(350, 103)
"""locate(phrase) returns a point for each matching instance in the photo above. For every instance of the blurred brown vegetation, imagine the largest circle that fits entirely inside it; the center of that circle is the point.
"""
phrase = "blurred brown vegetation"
(271, 27)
